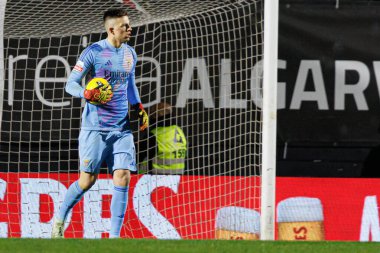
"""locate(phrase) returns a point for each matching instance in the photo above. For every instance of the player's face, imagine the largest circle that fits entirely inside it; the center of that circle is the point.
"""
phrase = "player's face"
(122, 29)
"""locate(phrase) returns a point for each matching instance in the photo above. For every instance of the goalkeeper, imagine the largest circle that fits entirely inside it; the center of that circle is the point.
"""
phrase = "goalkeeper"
(105, 134)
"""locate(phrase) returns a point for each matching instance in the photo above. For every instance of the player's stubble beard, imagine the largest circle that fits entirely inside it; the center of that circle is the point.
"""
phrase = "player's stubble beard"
(125, 38)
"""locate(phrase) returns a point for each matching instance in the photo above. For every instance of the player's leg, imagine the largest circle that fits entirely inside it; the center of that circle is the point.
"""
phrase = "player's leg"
(119, 200)
(73, 196)
(91, 148)
(123, 161)
(75, 193)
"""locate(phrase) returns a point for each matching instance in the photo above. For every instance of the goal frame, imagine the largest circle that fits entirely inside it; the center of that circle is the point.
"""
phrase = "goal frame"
(269, 111)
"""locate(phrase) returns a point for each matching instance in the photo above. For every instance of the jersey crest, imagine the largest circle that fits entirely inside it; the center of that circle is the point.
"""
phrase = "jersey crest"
(128, 60)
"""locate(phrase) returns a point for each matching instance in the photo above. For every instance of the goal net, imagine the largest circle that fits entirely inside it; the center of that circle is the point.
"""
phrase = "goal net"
(202, 57)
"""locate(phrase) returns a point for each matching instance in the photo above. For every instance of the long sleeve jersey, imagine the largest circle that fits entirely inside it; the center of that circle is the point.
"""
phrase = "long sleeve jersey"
(117, 65)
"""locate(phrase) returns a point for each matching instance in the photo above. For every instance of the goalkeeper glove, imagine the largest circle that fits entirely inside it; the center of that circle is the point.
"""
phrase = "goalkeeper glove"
(143, 116)
(100, 94)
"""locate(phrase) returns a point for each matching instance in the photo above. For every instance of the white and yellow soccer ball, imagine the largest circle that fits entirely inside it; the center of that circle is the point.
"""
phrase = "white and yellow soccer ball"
(104, 87)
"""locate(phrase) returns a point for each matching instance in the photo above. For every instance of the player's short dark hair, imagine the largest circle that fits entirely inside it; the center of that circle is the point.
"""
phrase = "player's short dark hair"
(114, 13)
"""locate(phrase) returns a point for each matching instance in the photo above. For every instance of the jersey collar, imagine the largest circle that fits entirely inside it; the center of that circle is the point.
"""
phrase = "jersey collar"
(114, 49)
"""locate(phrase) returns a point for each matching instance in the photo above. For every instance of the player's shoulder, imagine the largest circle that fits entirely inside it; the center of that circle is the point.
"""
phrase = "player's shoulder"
(128, 47)
(93, 48)
(96, 47)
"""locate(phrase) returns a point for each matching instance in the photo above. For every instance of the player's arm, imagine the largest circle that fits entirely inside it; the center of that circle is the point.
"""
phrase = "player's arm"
(81, 68)
(134, 98)
(132, 91)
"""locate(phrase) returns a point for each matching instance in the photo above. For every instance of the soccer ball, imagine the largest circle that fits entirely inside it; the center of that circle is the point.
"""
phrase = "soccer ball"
(104, 87)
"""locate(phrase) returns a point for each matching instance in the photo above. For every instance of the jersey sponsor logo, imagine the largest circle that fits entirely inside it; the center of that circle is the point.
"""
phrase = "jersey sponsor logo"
(79, 66)
(121, 76)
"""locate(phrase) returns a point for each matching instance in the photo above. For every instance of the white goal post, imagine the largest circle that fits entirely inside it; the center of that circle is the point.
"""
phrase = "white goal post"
(214, 61)
(268, 175)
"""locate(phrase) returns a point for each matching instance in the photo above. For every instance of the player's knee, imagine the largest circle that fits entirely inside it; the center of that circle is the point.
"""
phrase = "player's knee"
(86, 180)
(86, 184)
(121, 177)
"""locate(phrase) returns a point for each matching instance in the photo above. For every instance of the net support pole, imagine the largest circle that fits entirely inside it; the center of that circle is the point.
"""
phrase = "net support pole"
(269, 110)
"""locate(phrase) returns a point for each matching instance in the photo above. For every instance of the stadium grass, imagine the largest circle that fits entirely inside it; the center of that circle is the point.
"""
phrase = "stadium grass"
(183, 246)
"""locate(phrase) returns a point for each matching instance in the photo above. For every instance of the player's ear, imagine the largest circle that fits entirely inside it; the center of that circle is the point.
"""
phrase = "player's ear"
(111, 30)
(109, 26)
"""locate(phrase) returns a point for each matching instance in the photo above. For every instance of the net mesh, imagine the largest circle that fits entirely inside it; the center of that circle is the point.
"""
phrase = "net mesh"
(202, 57)
(39, 18)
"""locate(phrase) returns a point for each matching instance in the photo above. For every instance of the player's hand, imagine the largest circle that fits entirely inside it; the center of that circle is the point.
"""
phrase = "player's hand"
(100, 94)
(143, 116)
(92, 95)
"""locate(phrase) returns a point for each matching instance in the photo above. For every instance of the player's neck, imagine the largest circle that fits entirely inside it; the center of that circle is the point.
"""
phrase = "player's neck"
(114, 43)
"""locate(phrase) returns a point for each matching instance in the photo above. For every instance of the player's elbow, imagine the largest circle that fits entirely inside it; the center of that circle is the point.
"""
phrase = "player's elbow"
(68, 87)
(73, 88)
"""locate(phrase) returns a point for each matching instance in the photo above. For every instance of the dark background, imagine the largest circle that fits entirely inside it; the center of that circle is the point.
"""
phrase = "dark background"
(336, 143)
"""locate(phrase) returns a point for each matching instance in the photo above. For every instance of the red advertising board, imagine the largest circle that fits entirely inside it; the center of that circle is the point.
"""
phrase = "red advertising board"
(187, 207)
